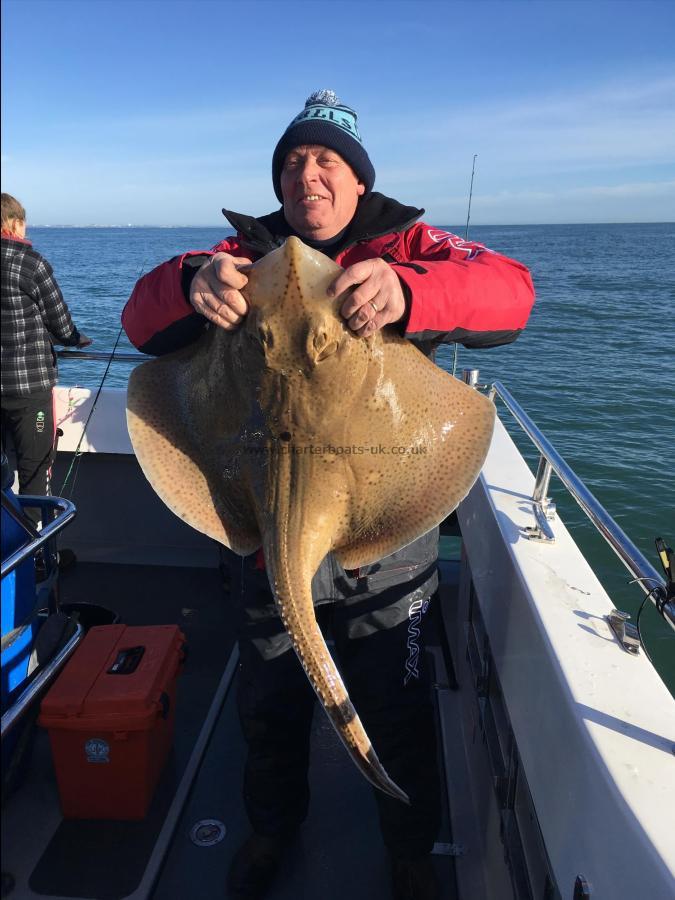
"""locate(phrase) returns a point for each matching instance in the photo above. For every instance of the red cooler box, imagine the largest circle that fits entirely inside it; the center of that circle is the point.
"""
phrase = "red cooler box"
(110, 716)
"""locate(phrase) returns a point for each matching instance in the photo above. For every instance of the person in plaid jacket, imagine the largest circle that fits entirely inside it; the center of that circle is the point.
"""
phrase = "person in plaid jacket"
(34, 318)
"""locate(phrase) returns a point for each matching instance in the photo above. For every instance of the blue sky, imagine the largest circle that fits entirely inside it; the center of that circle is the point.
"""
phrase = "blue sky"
(163, 111)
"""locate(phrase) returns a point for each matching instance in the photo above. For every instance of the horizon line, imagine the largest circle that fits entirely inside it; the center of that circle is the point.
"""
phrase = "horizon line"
(473, 225)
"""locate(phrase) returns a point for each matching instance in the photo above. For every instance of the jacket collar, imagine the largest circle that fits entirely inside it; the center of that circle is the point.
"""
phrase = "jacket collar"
(8, 236)
(376, 215)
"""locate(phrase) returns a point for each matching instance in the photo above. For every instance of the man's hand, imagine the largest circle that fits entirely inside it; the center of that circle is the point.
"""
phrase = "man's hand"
(215, 290)
(378, 300)
(84, 341)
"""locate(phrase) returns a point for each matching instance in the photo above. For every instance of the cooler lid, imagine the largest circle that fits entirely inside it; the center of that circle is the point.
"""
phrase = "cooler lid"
(115, 678)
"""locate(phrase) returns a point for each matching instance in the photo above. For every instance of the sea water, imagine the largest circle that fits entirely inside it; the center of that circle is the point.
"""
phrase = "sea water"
(595, 367)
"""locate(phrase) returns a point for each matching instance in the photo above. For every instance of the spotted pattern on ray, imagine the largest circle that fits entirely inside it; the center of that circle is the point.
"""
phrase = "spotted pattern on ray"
(246, 434)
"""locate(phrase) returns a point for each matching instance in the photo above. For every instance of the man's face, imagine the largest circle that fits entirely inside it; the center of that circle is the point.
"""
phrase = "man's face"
(320, 190)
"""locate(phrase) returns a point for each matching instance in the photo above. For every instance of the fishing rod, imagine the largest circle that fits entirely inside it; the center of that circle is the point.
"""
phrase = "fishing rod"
(468, 212)
(466, 237)
(78, 453)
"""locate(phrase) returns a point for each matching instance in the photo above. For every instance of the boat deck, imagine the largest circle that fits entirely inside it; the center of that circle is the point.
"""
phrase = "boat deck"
(339, 851)
(557, 743)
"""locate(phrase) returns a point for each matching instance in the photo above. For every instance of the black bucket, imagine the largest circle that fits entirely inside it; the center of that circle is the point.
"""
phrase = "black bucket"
(89, 614)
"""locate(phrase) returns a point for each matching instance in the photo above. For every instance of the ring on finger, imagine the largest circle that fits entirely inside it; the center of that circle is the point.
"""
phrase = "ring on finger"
(372, 303)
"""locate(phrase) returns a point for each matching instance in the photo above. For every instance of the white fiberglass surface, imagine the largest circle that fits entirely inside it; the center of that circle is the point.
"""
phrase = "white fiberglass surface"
(106, 427)
(595, 726)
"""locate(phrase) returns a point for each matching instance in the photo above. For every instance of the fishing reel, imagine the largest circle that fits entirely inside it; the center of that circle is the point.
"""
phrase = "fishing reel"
(666, 557)
(663, 597)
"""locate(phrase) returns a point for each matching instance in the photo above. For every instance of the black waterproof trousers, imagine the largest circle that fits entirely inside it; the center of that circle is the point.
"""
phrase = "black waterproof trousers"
(386, 674)
(30, 423)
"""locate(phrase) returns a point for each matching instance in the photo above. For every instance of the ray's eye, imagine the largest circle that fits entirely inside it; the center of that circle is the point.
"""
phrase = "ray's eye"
(259, 332)
(323, 346)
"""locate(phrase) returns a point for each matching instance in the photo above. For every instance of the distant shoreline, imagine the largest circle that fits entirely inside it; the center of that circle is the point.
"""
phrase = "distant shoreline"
(458, 227)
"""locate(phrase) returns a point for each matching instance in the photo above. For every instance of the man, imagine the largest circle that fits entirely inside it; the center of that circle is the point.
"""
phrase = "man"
(432, 287)
(34, 318)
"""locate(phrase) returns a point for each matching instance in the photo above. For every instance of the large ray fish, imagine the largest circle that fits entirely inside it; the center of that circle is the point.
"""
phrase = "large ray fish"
(294, 434)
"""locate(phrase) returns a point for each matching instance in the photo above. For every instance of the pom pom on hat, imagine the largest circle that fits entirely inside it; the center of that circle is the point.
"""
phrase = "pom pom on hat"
(329, 123)
(325, 97)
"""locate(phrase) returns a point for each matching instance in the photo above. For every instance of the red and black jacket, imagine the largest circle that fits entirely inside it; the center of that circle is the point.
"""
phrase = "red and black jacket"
(456, 290)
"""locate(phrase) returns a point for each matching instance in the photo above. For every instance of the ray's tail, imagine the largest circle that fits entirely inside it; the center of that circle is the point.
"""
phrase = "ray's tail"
(291, 584)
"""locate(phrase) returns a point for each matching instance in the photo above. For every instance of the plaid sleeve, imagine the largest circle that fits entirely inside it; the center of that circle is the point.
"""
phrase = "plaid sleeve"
(52, 306)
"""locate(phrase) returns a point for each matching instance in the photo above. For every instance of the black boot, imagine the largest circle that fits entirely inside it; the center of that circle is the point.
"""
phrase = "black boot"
(254, 866)
(414, 879)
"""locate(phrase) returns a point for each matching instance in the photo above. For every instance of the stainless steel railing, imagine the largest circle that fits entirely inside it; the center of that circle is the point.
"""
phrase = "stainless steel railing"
(65, 513)
(46, 675)
(644, 573)
(35, 540)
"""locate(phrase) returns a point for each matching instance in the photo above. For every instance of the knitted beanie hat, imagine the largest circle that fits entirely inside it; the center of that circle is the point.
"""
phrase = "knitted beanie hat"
(325, 121)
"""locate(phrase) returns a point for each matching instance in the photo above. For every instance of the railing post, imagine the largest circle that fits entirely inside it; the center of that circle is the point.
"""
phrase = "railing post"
(542, 480)
(470, 377)
(542, 507)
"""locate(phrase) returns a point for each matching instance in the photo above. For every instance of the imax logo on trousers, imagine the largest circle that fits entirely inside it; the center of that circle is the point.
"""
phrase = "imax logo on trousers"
(415, 613)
